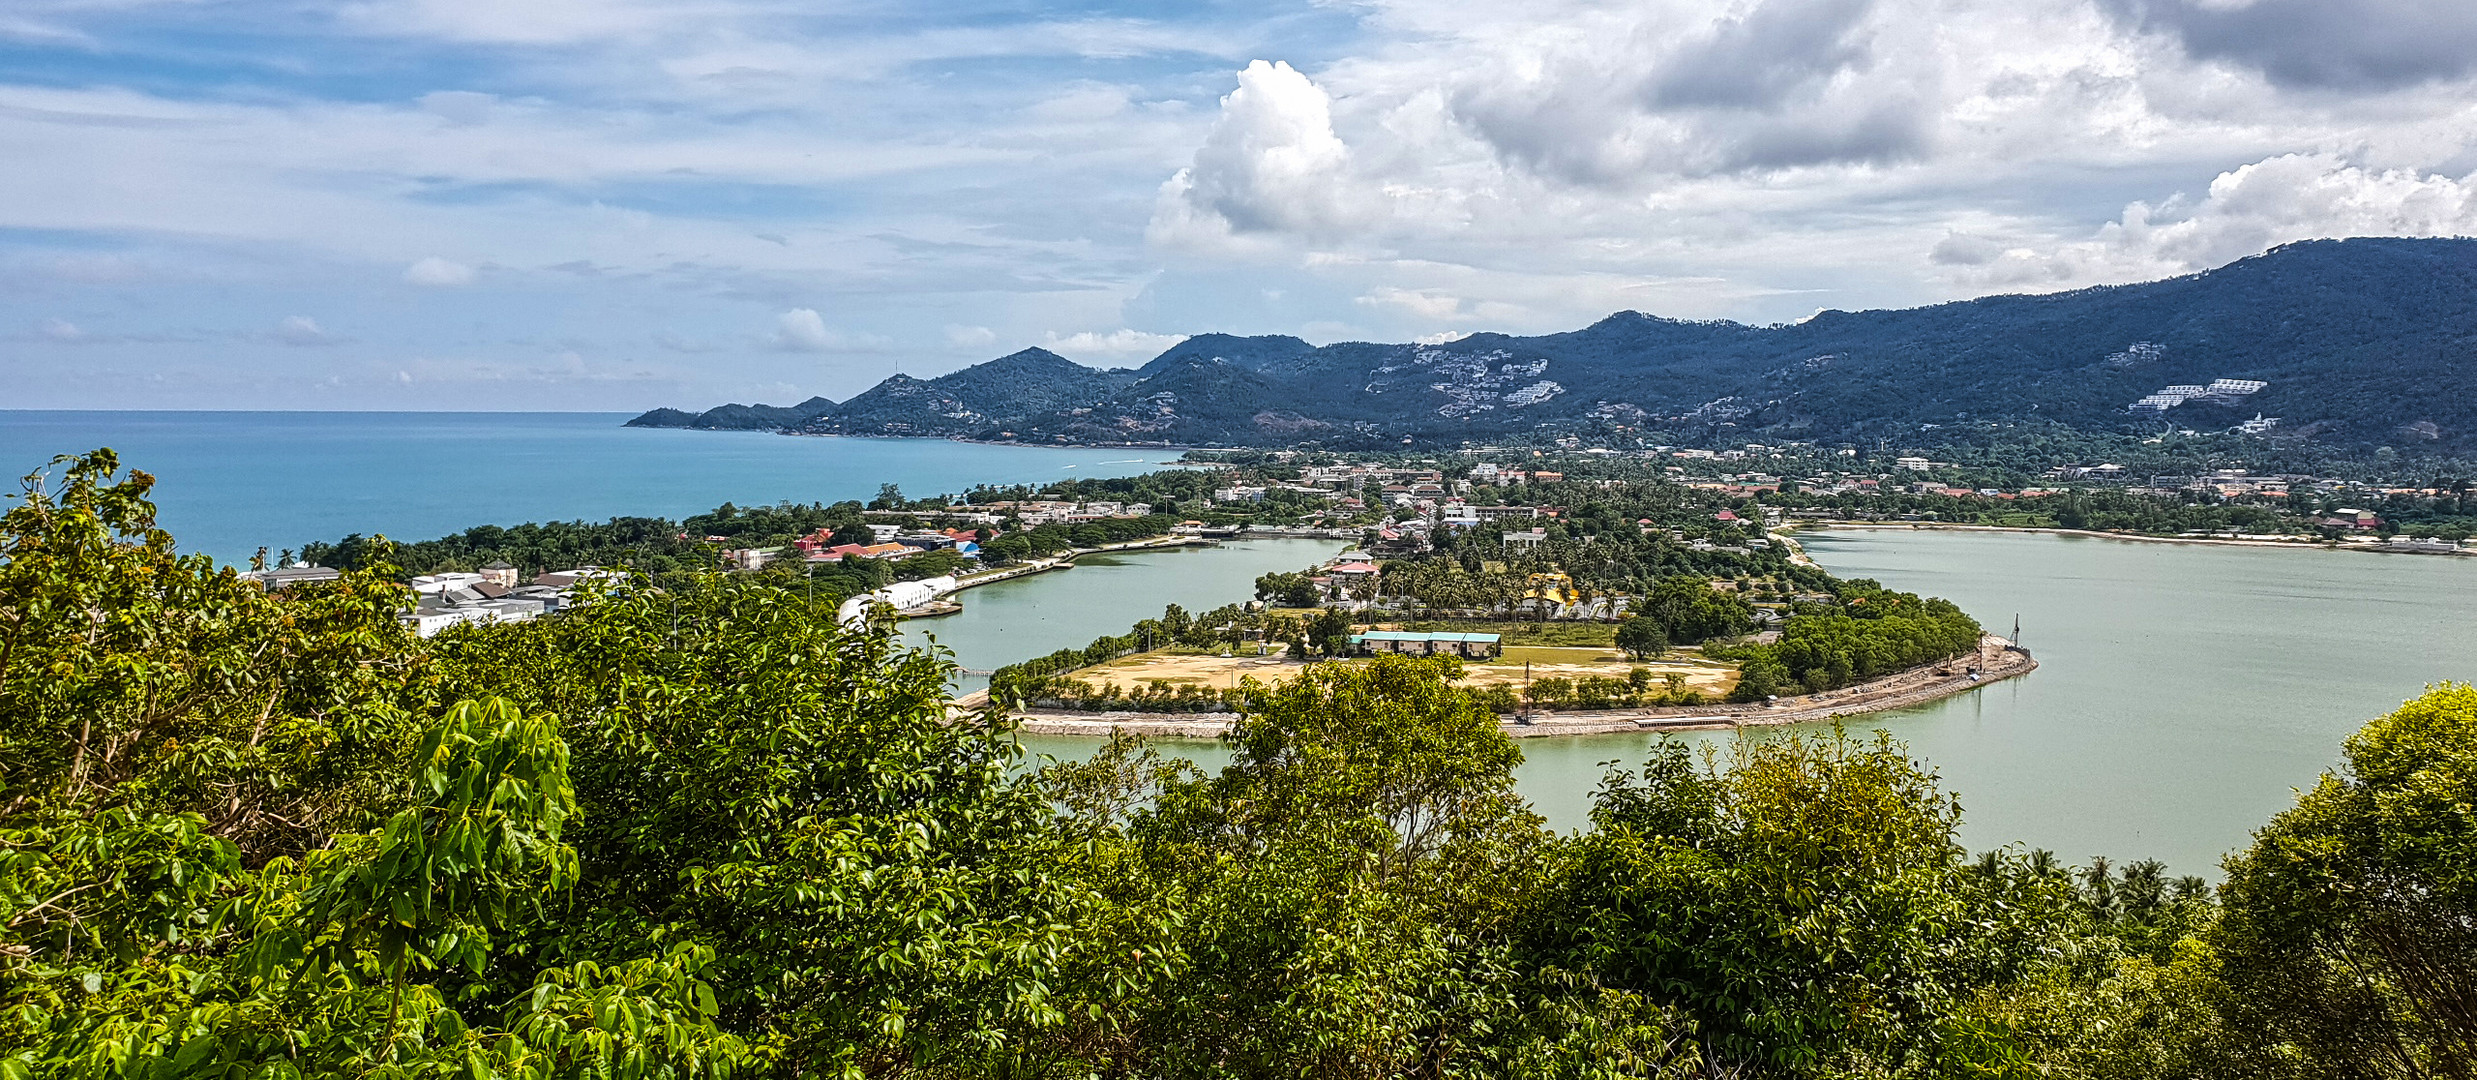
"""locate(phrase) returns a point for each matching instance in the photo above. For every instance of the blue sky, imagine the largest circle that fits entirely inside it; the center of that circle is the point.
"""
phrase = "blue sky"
(614, 204)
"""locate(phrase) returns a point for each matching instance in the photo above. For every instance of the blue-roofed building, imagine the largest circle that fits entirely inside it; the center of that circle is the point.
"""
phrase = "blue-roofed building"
(1426, 643)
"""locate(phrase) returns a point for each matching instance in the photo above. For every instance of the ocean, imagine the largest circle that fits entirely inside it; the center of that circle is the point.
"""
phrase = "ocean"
(230, 482)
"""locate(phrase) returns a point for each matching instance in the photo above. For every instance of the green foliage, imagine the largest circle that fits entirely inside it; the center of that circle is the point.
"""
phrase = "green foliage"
(1807, 907)
(1688, 611)
(701, 830)
(1642, 639)
(1875, 632)
(2350, 932)
(1288, 590)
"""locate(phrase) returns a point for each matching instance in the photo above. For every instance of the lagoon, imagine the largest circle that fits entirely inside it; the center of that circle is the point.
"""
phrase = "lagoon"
(2184, 691)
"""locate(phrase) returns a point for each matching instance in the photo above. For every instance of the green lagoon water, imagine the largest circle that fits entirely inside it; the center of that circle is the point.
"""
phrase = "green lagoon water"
(1033, 616)
(2184, 690)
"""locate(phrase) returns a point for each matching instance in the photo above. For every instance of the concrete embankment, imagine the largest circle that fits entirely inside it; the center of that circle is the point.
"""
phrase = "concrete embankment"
(1995, 661)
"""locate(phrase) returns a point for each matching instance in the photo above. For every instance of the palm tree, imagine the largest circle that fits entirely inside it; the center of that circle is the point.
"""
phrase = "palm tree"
(2099, 887)
(2144, 887)
(2043, 863)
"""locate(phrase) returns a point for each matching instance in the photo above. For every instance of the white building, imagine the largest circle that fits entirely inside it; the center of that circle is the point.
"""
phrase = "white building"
(901, 596)
(434, 616)
(436, 584)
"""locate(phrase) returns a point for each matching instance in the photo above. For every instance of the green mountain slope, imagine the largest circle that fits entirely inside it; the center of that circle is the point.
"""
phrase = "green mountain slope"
(2357, 342)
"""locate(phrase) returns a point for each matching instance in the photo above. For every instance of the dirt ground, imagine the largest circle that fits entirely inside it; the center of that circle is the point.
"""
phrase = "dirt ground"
(1547, 661)
(1708, 676)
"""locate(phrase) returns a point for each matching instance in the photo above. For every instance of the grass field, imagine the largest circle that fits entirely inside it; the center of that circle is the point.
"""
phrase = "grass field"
(1547, 661)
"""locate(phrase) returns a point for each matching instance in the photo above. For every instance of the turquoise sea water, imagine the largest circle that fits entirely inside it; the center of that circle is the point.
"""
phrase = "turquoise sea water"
(228, 482)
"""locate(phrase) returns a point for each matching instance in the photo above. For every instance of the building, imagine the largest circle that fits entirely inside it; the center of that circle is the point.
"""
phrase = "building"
(439, 584)
(1349, 572)
(467, 607)
(866, 551)
(561, 579)
(1525, 540)
(1503, 513)
(1427, 643)
(501, 573)
(901, 596)
(284, 576)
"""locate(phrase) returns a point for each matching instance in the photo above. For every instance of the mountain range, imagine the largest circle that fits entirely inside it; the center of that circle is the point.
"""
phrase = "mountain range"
(2359, 342)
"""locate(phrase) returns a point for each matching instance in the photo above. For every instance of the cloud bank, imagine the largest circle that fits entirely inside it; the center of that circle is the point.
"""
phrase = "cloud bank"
(666, 201)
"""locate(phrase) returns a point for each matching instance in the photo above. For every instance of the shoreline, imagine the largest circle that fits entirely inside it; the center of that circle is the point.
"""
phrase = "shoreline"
(2299, 544)
(1997, 658)
(1066, 561)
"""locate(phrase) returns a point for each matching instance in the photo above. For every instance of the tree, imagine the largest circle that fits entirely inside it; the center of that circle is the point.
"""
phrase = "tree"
(1299, 898)
(1287, 590)
(1689, 610)
(874, 880)
(2350, 926)
(1642, 639)
(1328, 634)
(1805, 908)
(212, 863)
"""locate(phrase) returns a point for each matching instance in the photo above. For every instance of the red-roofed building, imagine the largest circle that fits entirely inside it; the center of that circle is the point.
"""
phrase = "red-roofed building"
(865, 551)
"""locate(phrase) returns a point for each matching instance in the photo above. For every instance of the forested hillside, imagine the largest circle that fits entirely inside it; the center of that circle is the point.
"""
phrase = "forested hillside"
(737, 417)
(2358, 343)
(705, 831)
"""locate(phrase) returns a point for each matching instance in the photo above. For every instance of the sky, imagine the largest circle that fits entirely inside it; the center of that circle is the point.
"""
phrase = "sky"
(618, 204)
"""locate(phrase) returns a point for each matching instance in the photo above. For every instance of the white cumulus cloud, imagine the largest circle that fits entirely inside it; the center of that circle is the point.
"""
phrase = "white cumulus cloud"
(971, 336)
(803, 330)
(2245, 211)
(1272, 164)
(436, 272)
(62, 330)
(1120, 344)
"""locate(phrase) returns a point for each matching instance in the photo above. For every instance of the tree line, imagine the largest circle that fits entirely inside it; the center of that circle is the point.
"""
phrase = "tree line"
(1871, 632)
